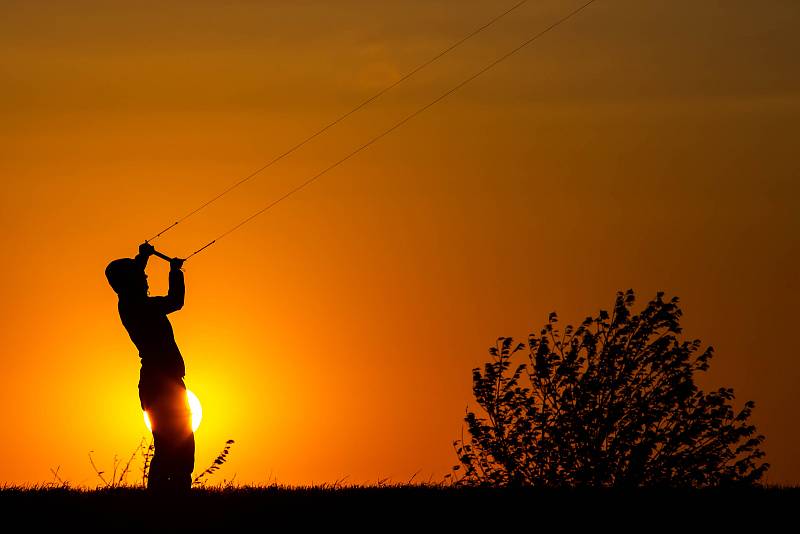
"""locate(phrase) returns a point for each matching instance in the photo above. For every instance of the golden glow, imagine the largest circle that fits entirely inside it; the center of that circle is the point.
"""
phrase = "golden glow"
(194, 407)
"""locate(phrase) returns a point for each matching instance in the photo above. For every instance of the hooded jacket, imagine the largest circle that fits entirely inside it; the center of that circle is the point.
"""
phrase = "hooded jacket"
(145, 319)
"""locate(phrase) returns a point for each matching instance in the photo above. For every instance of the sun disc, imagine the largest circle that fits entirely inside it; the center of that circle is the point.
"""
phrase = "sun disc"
(194, 407)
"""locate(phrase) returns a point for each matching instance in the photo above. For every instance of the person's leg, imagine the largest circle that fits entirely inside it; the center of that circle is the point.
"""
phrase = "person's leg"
(178, 439)
(149, 392)
(184, 463)
(168, 409)
(157, 476)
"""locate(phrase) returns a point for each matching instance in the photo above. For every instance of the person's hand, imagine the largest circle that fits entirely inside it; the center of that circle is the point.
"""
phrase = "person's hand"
(146, 249)
(176, 263)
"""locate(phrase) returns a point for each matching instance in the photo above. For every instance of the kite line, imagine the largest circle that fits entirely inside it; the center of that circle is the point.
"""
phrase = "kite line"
(322, 130)
(384, 133)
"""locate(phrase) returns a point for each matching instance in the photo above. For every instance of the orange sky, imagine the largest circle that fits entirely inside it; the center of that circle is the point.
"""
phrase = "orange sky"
(650, 145)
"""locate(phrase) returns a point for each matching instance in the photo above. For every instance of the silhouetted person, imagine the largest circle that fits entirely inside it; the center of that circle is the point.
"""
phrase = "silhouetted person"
(161, 389)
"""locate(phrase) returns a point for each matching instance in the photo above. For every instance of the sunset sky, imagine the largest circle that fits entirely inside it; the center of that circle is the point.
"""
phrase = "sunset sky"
(650, 145)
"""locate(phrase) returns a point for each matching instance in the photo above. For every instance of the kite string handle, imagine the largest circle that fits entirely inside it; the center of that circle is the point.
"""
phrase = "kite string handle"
(162, 256)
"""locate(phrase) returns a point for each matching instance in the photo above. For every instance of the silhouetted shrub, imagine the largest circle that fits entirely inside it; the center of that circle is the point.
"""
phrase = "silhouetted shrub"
(612, 402)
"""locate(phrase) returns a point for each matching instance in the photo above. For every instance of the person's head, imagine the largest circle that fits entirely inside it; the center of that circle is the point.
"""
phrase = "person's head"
(127, 278)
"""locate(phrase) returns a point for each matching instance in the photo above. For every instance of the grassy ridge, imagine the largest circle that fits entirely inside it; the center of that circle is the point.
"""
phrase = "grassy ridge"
(378, 508)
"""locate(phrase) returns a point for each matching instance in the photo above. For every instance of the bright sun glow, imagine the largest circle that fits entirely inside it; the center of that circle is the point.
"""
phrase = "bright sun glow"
(194, 407)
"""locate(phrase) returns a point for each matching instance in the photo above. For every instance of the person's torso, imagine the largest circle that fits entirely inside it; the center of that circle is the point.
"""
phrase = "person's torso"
(151, 332)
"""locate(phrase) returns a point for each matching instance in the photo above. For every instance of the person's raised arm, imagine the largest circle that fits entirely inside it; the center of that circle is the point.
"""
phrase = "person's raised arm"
(145, 251)
(173, 301)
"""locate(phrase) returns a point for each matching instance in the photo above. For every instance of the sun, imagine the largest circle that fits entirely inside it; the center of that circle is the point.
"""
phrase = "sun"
(194, 407)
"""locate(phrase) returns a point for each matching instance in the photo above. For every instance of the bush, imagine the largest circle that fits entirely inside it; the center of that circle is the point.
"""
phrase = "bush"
(612, 403)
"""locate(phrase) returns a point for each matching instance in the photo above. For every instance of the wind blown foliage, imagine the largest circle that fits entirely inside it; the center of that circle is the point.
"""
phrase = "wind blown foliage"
(611, 403)
(118, 476)
(221, 458)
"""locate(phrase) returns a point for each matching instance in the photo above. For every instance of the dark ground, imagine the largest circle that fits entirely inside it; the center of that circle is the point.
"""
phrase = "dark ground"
(402, 507)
